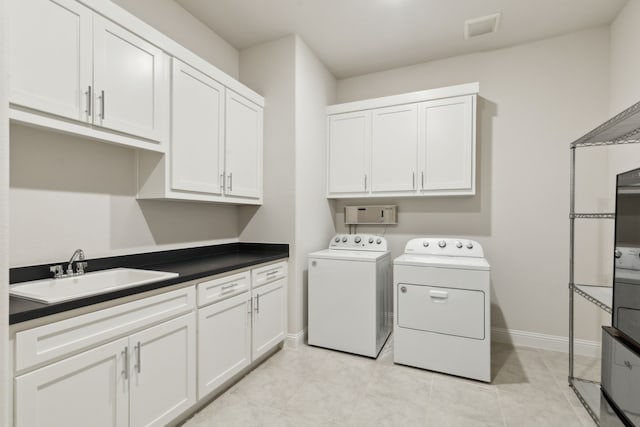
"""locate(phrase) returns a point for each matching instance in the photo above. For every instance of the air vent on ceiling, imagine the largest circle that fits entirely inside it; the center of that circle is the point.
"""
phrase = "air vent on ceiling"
(480, 26)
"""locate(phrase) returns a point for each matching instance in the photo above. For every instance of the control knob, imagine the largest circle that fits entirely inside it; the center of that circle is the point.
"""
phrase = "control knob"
(370, 240)
(458, 245)
(425, 243)
(357, 239)
(378, 241)
(344, 239)
(442, 243)
(469, 245)
(337, 239)
(617, 254)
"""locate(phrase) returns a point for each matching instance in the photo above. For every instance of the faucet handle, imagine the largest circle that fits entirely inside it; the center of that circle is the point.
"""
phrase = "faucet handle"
(80, 266)
(56, 270)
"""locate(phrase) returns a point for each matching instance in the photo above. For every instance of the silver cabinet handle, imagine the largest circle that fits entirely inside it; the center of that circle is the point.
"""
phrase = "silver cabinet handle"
(228, 288)
(102, 105)
(413, 180)
(258, 303)
(222, 181)
(365, 182)
(422, 178)
(230, 181)
(126, 363)
(249, 305)
(139, 350)
(271, 274)
(89, 101)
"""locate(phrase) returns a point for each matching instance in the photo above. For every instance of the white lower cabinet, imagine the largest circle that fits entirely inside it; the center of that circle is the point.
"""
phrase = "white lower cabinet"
(90, 388)
(147, 379)
(269, 317)
(224, 341)
(162, 371)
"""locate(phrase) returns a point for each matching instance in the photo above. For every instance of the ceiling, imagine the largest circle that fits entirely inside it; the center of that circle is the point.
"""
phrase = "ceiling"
(354, 37)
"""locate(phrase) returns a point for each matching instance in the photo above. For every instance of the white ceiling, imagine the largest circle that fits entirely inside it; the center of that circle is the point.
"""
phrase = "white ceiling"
(354, 37)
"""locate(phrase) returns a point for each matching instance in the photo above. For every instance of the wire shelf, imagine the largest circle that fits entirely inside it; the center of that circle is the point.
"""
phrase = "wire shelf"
(592, 215)
(602, 296)
(624, 128)
(588, 393)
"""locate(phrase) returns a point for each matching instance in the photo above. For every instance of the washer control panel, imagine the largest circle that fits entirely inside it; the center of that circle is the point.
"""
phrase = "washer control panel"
(626, 257)
(444, 246)
(360, 242)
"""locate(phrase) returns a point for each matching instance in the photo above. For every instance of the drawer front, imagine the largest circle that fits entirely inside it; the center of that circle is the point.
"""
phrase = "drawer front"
(223, 288)
(269, 273)
(449, 311)
(44, 343)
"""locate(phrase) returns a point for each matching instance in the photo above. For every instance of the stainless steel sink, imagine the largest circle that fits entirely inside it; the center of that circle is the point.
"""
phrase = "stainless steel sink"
(69, 288)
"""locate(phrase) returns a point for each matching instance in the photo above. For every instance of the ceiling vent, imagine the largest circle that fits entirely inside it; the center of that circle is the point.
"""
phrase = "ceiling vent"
(480, 26)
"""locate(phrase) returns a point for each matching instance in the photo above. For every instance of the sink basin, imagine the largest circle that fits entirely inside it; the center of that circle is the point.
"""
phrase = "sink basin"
(99, 282)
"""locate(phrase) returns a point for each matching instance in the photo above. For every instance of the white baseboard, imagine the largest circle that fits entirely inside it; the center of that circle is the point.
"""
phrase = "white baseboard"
(545, 342)
(295, 340)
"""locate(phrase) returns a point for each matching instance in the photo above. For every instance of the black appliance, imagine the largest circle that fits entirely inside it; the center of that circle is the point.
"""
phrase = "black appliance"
(621, 343)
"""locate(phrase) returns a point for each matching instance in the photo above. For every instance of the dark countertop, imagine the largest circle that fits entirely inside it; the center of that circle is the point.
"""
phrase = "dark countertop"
(190, 264)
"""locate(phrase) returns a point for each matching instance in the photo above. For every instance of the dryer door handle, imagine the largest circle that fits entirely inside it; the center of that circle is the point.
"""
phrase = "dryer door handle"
(439, 296)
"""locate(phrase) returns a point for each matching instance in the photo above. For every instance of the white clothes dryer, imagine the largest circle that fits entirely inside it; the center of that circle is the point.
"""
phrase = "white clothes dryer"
(349, 295)
(442, 315)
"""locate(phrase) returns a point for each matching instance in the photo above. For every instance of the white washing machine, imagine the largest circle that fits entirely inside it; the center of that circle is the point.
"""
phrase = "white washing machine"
(349, 296)
(442, 299)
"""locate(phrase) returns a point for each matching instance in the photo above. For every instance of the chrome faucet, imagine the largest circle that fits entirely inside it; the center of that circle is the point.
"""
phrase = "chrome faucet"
(81, 264)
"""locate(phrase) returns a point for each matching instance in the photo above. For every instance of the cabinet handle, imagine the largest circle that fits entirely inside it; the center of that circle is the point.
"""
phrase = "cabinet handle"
(102, 105)
(228, 288)
(422, 179)
(413, 180)
(139, 350)
(126, 363)
(271, 274)
(230, 181)
(258, 303)
(89, 101)
(222, 176)
(365, 182)
(249, 305)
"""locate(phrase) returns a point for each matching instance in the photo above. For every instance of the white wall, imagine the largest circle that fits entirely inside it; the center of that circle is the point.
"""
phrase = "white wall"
(269, 69)
(534, 100)
(5, 372)
(171, 19)
(315, 89)
(625, 62)
(69, 193)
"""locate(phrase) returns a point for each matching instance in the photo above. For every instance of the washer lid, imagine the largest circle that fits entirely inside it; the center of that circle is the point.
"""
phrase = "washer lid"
(465, 263)
(341, 254)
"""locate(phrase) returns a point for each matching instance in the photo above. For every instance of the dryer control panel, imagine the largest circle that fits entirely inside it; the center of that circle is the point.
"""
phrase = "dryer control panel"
(358, 242)
(444, 246)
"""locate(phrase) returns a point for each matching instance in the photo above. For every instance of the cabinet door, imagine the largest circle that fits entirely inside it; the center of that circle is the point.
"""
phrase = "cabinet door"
(243, 147)
(269, 312)
(89, 389)
(197, 131)
(131, 85)
(224, 341)
(163, 371)
(394, 148)
(447, 144)
(50, 56)
(349, 143)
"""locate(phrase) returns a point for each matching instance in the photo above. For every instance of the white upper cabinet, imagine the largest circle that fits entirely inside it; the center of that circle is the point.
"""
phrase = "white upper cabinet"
(197, 131)
(50, 56)
(447, 135)
(130, 82)
(394, 148)
(68, 61)
(349, 145)
(415, 144)
(243, 146)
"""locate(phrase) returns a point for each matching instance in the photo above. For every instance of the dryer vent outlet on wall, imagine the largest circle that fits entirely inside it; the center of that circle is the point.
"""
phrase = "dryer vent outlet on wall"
(355, 215)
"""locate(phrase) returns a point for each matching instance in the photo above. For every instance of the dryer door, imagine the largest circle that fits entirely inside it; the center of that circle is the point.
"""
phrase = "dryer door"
(449, 311)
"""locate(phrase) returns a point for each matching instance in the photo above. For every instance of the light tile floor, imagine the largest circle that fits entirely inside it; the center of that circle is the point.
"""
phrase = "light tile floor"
(309, 386)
